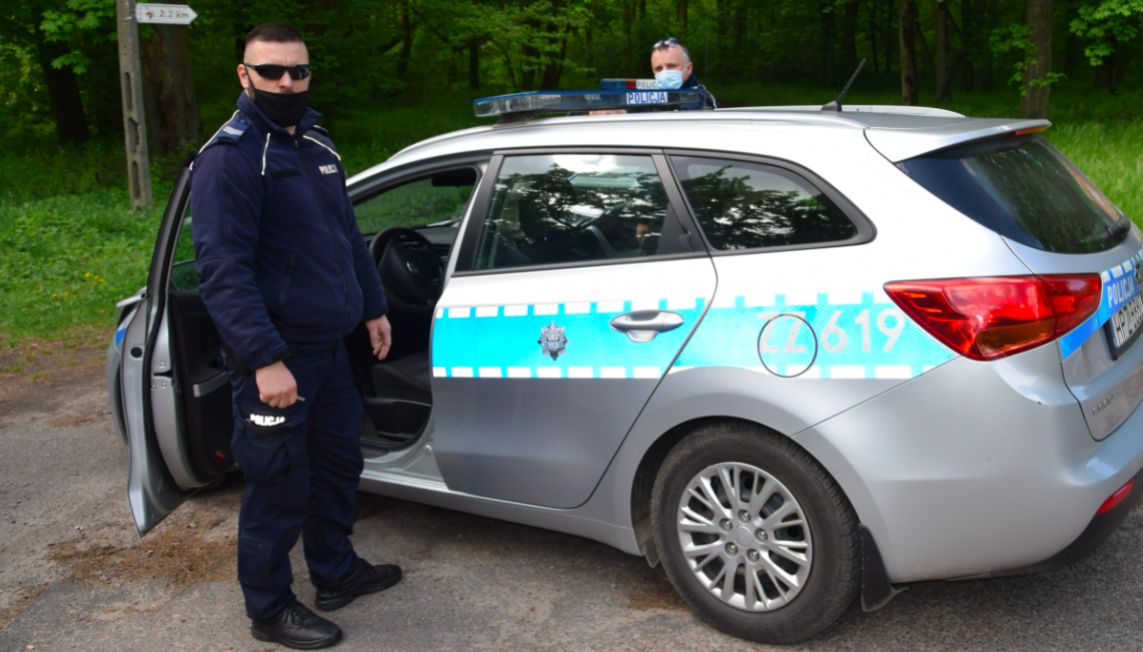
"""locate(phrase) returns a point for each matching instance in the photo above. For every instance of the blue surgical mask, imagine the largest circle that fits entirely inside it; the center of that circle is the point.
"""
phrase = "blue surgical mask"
(669, 79)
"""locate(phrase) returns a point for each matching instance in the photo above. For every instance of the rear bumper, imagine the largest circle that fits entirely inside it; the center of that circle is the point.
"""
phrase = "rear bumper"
(1097, 531)
(978, 469)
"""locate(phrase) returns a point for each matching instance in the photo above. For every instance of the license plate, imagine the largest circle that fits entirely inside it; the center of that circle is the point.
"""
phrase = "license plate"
(1124, 325)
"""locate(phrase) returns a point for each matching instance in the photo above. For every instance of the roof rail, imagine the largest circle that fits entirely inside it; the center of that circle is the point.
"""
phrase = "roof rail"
(897, 109)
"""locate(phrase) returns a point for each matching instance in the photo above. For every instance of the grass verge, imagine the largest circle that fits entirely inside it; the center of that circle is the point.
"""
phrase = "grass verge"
(68, 259)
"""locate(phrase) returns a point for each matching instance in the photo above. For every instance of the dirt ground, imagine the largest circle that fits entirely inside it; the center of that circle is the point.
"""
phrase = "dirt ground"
(74, 575)
(100, 548)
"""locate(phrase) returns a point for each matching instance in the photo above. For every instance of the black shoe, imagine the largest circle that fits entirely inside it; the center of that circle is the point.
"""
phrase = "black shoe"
(366, 579)
(296, 627)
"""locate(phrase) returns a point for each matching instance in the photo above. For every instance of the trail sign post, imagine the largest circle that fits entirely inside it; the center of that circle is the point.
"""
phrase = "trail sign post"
(134, 118)
(128, 14)
(150, 12)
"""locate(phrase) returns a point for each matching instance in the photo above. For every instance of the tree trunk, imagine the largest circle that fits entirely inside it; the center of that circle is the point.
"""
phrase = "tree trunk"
(907, 28)
(723, 48)
(891, 33)
(682, 15)
(941, 50)
(826, 63)
(723, 10)
(873, 31)
(1034, 103)
(1073, 48)
(849, 37)
(63, 92)
(406, 19)
(628, 28)
(554, 69)
(169, 95)
(968, 49)
(474, 64)
(589, 33)
(989, 25)
(741, 24)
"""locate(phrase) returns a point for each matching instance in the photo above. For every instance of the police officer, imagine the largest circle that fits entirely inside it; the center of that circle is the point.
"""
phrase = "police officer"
(285, 275)
(671, 64)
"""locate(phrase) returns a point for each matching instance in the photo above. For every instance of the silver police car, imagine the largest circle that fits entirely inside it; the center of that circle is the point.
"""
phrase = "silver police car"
(796, 357)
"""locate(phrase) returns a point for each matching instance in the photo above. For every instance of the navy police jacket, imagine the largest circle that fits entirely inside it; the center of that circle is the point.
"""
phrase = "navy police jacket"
(278, 252)
(708, 102)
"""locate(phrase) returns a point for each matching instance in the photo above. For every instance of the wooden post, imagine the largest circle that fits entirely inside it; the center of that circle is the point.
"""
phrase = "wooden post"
(134, 117)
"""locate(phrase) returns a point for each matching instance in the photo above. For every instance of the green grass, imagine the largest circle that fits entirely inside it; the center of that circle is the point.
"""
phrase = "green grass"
(1111, 154)
(68, 259)
(72, 246)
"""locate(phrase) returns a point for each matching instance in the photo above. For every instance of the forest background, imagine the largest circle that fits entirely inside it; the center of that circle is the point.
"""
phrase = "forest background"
(390, 72)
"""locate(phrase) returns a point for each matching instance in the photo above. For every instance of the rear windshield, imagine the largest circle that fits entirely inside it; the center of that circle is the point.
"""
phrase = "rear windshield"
(1023, 189)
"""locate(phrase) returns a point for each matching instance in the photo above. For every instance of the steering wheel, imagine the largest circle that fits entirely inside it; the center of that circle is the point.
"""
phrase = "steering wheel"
(412, 273)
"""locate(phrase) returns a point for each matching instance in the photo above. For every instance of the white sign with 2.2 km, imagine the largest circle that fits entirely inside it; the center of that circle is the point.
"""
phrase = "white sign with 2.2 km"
(149, 12)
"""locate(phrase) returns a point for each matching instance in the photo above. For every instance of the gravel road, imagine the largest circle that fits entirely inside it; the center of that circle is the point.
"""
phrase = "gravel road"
(74, 575)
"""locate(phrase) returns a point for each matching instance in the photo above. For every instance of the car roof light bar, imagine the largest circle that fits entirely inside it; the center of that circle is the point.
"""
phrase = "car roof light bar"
(629, 84)
(516, 107)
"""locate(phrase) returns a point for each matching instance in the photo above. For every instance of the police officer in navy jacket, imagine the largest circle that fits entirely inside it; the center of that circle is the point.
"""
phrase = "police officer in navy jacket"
(671, 64)
(286, 275)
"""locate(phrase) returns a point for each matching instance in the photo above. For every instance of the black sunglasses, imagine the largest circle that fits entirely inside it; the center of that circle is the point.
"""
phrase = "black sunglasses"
(665, 43)
(274, 72)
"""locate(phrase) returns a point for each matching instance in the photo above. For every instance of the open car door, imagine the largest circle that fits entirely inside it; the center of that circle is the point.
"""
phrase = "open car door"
(175, 389)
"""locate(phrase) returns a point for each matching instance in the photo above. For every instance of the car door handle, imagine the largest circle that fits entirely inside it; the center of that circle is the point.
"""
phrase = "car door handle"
(644, 325)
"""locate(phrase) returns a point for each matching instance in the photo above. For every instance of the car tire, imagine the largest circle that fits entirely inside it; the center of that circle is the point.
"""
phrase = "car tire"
(789, 528)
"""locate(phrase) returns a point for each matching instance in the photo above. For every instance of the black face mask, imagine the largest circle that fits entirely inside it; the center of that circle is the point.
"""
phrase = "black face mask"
(285, 109)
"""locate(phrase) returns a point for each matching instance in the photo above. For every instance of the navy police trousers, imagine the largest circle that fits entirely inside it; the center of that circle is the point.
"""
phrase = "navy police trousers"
(301, 465)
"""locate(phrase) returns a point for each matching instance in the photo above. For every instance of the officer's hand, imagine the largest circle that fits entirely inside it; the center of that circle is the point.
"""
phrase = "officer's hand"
(380, 336)
(276, 385)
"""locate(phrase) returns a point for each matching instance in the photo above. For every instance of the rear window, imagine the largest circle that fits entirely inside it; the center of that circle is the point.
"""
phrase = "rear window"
(749, 205)
(1023, 189)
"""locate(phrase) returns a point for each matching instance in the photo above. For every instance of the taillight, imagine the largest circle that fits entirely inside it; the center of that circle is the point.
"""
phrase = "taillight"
(992, 317)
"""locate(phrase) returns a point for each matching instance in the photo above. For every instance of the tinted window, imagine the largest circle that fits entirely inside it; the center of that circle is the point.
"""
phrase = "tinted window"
(441, 198)
(562, 208)
(743, 205)
(183, 274)
(1023, 189)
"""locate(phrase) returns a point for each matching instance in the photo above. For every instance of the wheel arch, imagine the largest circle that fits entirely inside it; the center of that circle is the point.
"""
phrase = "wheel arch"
(876, 588)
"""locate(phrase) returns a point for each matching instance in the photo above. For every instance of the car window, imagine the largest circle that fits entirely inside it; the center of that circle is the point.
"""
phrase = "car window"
(747, 205)
(1023, 189)
(562, 208)
(183, 274)
(433, 200)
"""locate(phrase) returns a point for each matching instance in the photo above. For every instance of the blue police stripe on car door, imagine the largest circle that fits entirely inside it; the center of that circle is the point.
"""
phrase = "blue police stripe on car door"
(503, 342)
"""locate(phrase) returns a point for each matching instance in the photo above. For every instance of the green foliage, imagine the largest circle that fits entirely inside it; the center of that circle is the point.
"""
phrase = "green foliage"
(22, 93)
(532, 39)
(80, 24)
(1015, 40)
(1106, 26)
(365, 51)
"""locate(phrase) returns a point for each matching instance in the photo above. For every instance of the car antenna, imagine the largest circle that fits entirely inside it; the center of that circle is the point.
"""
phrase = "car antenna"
(836, 104)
